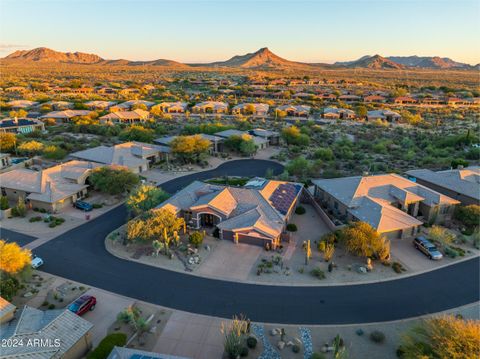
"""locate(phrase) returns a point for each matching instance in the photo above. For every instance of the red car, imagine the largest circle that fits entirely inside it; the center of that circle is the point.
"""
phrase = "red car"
(83, 304)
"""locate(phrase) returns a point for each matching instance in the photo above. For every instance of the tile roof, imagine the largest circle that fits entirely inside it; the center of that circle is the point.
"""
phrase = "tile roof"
(262, 208)
(31, 323)
(464, 181)
(49, 185)
(66, 114)
(128, 154)
(371, 197)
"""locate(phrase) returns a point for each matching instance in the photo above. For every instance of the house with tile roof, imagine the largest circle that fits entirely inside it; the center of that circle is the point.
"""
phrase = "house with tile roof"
(173, 107)
(210, 107)
(462, 184)
(134, 116)
(295, 110)
(59, 105)
(53, 188)
(21, 104)
(338, 113)
(99, 105)
(128, 105)
(21, 125)
(50, 334)
(260, 142)
(136, 156)
(256, 213)
(7, 310)
(255, 109)
(64, 116)
(393, 205)
(384, 115)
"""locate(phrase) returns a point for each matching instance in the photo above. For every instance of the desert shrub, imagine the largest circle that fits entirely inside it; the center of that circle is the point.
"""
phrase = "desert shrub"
(9, 285)
(4, 203)
(398, 267)
(52, 224)
(318, 273)
(244, 352)
(35, 219)
(19, 210)
(196, 238)
(97, 205)
(377, 336)
(452, 253)
(102, 351)
(251, 342)
(51, 306)
(300, 210)
(291, 227)
(295, 348)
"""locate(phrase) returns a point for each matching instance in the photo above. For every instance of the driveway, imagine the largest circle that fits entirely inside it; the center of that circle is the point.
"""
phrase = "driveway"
(230, 261)
(80, 255)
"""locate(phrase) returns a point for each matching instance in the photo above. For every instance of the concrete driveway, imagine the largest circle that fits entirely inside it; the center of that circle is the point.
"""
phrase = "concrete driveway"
(105, 312)
(230, 261)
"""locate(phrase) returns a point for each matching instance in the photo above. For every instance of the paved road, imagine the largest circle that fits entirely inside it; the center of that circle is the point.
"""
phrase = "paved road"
(80, 255)
(11, 236)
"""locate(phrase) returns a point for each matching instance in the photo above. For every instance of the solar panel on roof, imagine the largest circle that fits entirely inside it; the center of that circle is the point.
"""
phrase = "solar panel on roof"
(283, 196)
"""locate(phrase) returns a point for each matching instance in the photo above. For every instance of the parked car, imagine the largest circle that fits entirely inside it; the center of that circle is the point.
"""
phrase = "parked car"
(83, 304)
(84, 206)
(36, 262)
(427, 248)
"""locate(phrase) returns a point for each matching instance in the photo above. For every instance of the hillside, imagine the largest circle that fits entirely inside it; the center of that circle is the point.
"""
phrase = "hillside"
(43, 54)
(431, 62)
(375, 62)
(261, 59)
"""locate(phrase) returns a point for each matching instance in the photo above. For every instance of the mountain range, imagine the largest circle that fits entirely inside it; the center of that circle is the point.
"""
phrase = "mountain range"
(261, 59)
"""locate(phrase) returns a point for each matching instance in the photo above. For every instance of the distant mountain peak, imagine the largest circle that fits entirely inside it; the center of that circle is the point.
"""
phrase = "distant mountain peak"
(376, 62)
(44, 54)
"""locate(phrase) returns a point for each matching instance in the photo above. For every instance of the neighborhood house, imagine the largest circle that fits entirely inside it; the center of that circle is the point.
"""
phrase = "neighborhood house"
(393, 205)
(136, 156)
(463, 184)
(52, 189)
(134, 116)
(256, 213)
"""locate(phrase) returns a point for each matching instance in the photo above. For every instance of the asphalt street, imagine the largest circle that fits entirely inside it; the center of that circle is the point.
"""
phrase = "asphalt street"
(80, 255)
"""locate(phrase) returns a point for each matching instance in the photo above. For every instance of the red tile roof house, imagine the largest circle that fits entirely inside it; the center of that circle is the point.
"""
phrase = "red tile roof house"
(404, 100)
(128, 105)
(338, 113)
(349, 98)
(295, 110)
(256, 213)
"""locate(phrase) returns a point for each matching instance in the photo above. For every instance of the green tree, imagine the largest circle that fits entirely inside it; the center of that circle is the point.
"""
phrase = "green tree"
(144, 198)
(8, 141)
(137, 133)
(31, 147)
(158, 224)
(54, 153)
(113, 180)
(4, 203)
(248, 147)
(468, 215)
(361, 111)
(363, 240)
(13, 258)
(444, 337)
(190, 148)
(196, 238)
(325, 154)
(299, 167)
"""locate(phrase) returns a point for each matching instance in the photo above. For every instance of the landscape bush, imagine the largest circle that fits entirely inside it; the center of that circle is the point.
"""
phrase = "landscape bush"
(196, 238)
(4, 203)
(377, 337)
(244, 352)
(300, 210)
(318, 273)
(102, 351)
(291, 227)
(295, 348)
(251, 342)
(35, 219)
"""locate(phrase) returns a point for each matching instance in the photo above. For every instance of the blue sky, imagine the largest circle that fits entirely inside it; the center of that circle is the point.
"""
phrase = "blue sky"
(202, 31)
